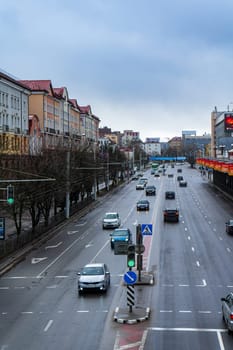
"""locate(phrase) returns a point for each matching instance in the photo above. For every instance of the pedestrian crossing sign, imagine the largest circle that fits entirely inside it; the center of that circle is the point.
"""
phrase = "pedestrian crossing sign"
(146, 229)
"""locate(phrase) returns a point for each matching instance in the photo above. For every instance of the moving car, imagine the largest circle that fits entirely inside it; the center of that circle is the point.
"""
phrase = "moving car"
(157, 174)
(179, 170)
(229, 226)
(94, 277)
(150, 190)
(170, 195)
(111, 220)
(227, 311)
(120, 235)
(143, 204)
(171, 215)
(141, 185)
(145, 179)
(180, 178)
(183, 183)
(170, 175)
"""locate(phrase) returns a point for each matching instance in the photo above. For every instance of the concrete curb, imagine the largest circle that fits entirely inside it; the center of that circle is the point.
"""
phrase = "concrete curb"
(122, 315)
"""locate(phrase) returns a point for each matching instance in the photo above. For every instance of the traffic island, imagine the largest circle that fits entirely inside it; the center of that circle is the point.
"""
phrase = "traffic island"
(138, 314)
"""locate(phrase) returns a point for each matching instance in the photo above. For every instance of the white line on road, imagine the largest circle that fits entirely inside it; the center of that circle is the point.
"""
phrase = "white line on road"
(198, 264)
(4, 287)
(169, 311)
(229, 250)
(185, 311)
(189, 238)
(204, 312)
(193, 249)
(27, 312)
(219, 335)
(53, 246)
(83, 311)
(183, 285)
(202, 285)
(188, 329)
(220, 238)
(49, 324)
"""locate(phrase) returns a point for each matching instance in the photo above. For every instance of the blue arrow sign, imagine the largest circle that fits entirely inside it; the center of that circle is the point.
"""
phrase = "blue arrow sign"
(130, 277)
(146, 229)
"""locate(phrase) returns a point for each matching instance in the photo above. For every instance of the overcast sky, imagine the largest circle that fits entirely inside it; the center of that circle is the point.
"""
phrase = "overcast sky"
(153, 66)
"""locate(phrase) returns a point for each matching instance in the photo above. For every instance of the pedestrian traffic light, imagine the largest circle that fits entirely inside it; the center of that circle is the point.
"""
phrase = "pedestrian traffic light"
(10, 194)
(131, 256)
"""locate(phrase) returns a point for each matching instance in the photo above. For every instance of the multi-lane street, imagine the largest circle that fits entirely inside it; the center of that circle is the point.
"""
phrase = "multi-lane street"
(191, 260)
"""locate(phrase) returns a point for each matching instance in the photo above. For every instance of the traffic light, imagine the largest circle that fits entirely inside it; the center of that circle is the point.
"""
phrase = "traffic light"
(131, 256)
(10, 194)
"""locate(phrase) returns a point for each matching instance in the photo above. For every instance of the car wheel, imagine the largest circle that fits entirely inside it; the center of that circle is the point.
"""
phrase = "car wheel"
(112, 246)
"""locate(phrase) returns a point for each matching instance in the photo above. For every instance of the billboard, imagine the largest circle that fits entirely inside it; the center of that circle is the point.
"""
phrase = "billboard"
(228, 121)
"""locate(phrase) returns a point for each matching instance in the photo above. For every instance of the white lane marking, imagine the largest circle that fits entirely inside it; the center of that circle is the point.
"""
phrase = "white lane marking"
(186, 228)
(204, 312)
(4, 288)
(189, 238)
(220, 238)
(214, 330)
(219, 335)
(19, 287)
(61, 276)
(193, 249)
(229, 250)
(37, 260)
(52, 287)
(49, 324)
(81, 223)
(169, 311)
(198, 264)
(83, 311)
(202, 285)
(89, 244)
(231, 286)
(106, 243)
(183, 285)
(27, 312)
(185, 311)
(53, 246)
(72, 232)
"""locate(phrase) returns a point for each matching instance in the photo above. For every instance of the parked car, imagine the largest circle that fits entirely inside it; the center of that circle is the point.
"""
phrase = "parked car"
(227, 311)
(229, 226)
(171, 215)
(170, 195)
(180, 178)
(111, 220)
(150, 190)
(94, 277)
(141, 185)
(120, 235)
(143, 204)
(183, 183)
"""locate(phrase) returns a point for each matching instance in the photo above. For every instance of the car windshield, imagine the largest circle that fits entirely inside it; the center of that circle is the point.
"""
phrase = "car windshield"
(230, 222)
(143, 202)
(110, 216)
(92, 270)
(120, 233)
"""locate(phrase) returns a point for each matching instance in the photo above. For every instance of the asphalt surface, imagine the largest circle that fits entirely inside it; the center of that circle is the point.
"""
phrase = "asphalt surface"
(191, 264)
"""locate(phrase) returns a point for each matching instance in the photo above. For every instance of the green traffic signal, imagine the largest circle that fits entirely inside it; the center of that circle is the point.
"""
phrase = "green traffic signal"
(10, 194)
(131, 256)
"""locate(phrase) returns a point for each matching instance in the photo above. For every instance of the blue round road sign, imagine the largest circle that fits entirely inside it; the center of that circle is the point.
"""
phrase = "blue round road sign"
(130, 277)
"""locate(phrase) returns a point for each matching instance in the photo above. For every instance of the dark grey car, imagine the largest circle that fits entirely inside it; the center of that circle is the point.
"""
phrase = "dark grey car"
(229, 226)
(227, 311)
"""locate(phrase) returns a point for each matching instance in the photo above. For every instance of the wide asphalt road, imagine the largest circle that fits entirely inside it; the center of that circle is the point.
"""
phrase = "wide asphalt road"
(191, 260)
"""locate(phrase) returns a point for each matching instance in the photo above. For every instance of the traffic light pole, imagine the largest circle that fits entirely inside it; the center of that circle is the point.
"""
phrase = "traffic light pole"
(139, 239)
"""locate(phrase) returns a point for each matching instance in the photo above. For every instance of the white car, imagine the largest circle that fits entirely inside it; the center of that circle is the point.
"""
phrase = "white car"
(111, 220)
(94, 277)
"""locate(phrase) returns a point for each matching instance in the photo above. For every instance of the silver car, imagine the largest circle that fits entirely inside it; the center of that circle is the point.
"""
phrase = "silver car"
(111, 220)
(94, 276)
(227, 311)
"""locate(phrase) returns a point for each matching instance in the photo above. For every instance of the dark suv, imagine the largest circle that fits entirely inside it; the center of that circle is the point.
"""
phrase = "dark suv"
(171, 215)
(170, 195)
(229, 226)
